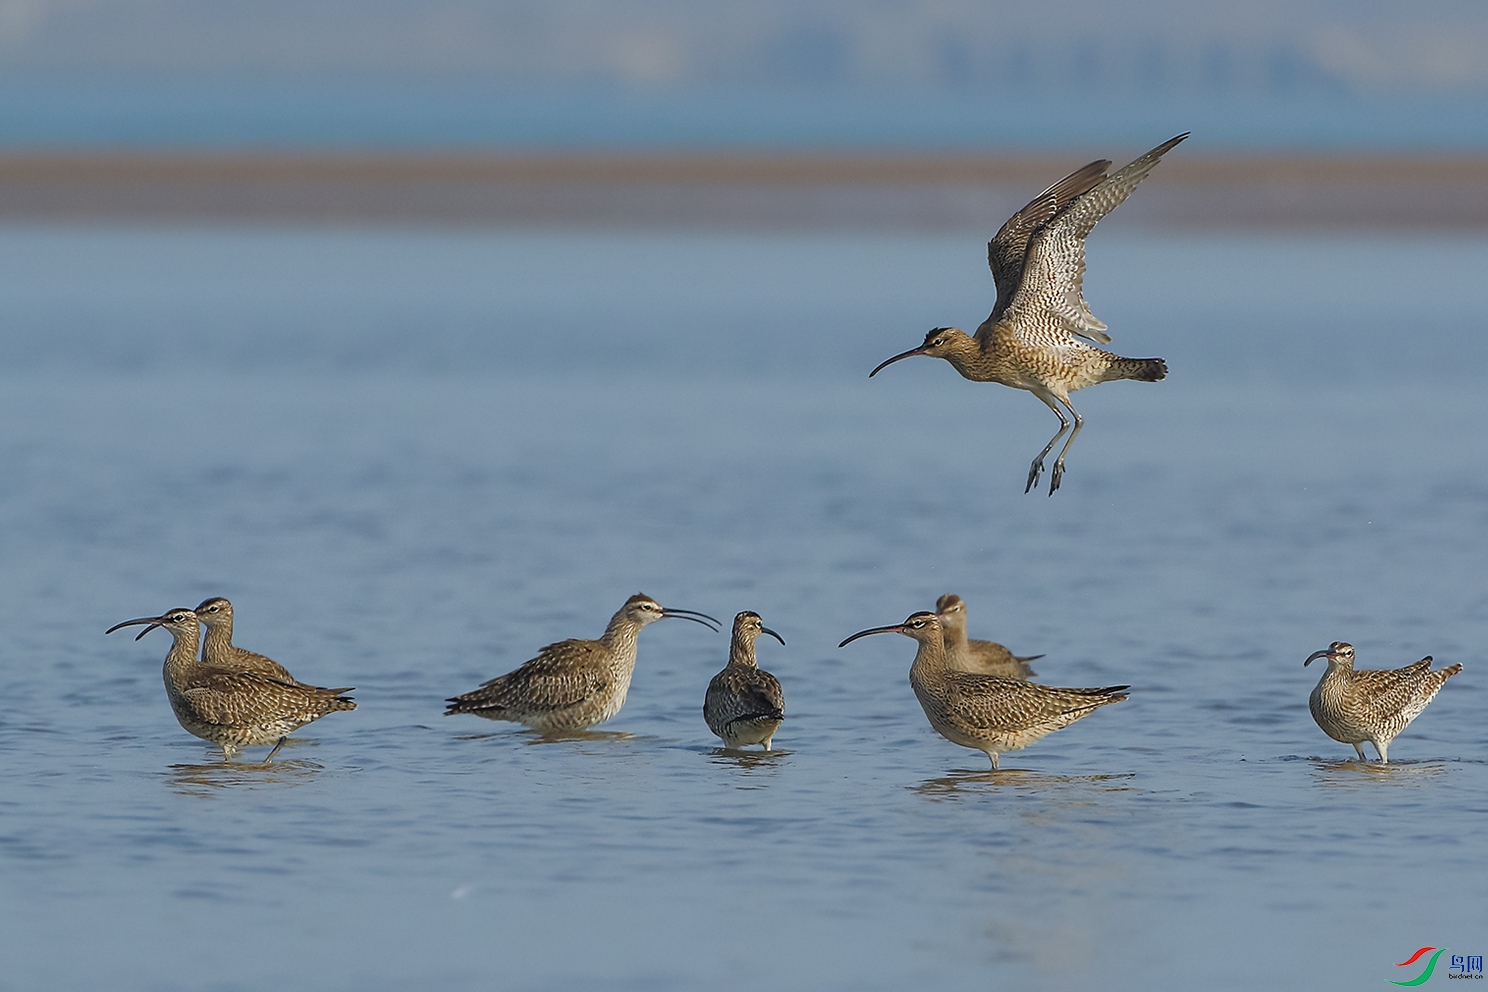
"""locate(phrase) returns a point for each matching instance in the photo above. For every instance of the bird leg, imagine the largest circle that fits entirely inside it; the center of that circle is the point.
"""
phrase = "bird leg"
(1059, 462)
(1037, 468)
(1360, 749)
(1384, 751)
(276, 749)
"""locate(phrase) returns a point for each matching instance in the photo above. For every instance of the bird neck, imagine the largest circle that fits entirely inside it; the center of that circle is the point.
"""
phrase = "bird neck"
(620, 636)
(954, 635)
(930, 659)
(218, 640)
(964, 354)
(741, 651)
(182, 655)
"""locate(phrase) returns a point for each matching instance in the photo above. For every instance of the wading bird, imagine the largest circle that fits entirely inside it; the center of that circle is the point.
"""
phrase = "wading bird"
(985, 712)
(1373, 705)
(233, 709)
(574, 684)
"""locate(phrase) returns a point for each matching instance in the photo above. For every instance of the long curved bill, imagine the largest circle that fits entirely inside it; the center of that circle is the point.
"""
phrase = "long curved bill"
(1325, 653)
(897, 628)
(767, 630)
(692, 615)
(908, 354)
(152, 621)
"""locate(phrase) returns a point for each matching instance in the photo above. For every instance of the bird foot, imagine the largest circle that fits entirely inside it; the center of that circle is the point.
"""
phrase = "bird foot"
(1057, 476)
(1034, 471)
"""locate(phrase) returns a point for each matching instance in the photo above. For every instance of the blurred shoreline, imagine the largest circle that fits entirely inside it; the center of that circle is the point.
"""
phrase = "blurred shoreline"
(792, 190)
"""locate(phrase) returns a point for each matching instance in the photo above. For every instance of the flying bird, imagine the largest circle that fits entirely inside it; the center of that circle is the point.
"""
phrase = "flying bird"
(1036, 337)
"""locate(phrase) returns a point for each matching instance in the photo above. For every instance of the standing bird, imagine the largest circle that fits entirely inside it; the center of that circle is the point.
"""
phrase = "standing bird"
(985, 712)
(986, 657)
(574, 684)
(1032, 338)
(233, 709)
(744, 704)
(218, 650)
(1375, 705)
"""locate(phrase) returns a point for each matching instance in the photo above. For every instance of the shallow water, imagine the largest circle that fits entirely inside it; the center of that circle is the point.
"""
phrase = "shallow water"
(413, 458)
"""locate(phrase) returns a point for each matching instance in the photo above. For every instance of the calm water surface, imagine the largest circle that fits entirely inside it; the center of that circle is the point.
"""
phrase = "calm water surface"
(414, 458)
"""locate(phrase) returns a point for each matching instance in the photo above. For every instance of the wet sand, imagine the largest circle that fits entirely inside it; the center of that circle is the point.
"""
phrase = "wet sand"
(763, 191)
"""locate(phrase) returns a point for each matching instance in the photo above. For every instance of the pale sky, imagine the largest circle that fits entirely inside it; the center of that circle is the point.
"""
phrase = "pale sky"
(1361, 45)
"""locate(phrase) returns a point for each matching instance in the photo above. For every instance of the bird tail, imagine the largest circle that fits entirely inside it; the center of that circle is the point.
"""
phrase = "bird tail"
(1143, 369)
(465, 704)
(1107, 693)
(332, 700)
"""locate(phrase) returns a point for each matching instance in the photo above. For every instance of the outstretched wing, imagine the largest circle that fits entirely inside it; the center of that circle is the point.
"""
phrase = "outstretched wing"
(1051, 295)
(1005, 251)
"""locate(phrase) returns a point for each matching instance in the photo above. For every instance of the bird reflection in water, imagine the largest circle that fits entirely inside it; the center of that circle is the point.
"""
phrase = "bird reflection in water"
(1351, 773)
(209, 779)
(978, 782)
(748, 761)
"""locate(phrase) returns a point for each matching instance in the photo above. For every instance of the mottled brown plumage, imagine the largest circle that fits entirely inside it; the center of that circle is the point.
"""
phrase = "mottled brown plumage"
(1373, 705)
(985, 712)
(574, 684)
(1032, 339)
(744, 704)
(968, 655)
(218, 650)
(232, 709)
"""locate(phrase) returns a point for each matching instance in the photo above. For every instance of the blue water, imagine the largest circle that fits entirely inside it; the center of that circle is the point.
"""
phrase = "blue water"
(413, 458)
(381, 114)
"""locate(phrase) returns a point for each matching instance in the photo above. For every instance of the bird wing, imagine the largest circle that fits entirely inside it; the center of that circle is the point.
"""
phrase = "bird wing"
(742, 695)
(1402, 692)
(241, 698)
(1006, 250)
(991, 702)
(556, 679)
(760, 695)
(1050, 297)
(262, 663)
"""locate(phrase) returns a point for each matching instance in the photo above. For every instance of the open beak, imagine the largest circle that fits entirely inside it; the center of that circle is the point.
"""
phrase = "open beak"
(908, 354)
(1316, 655)
(152, 621)
(767, 630)
(694, 616)
(897, 628)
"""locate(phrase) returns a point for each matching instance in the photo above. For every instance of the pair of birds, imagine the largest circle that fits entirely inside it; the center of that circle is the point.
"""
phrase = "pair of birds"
(232, 697)
(575, 684)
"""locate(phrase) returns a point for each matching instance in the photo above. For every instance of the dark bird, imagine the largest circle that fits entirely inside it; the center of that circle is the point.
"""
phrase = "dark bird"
(744, 703)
